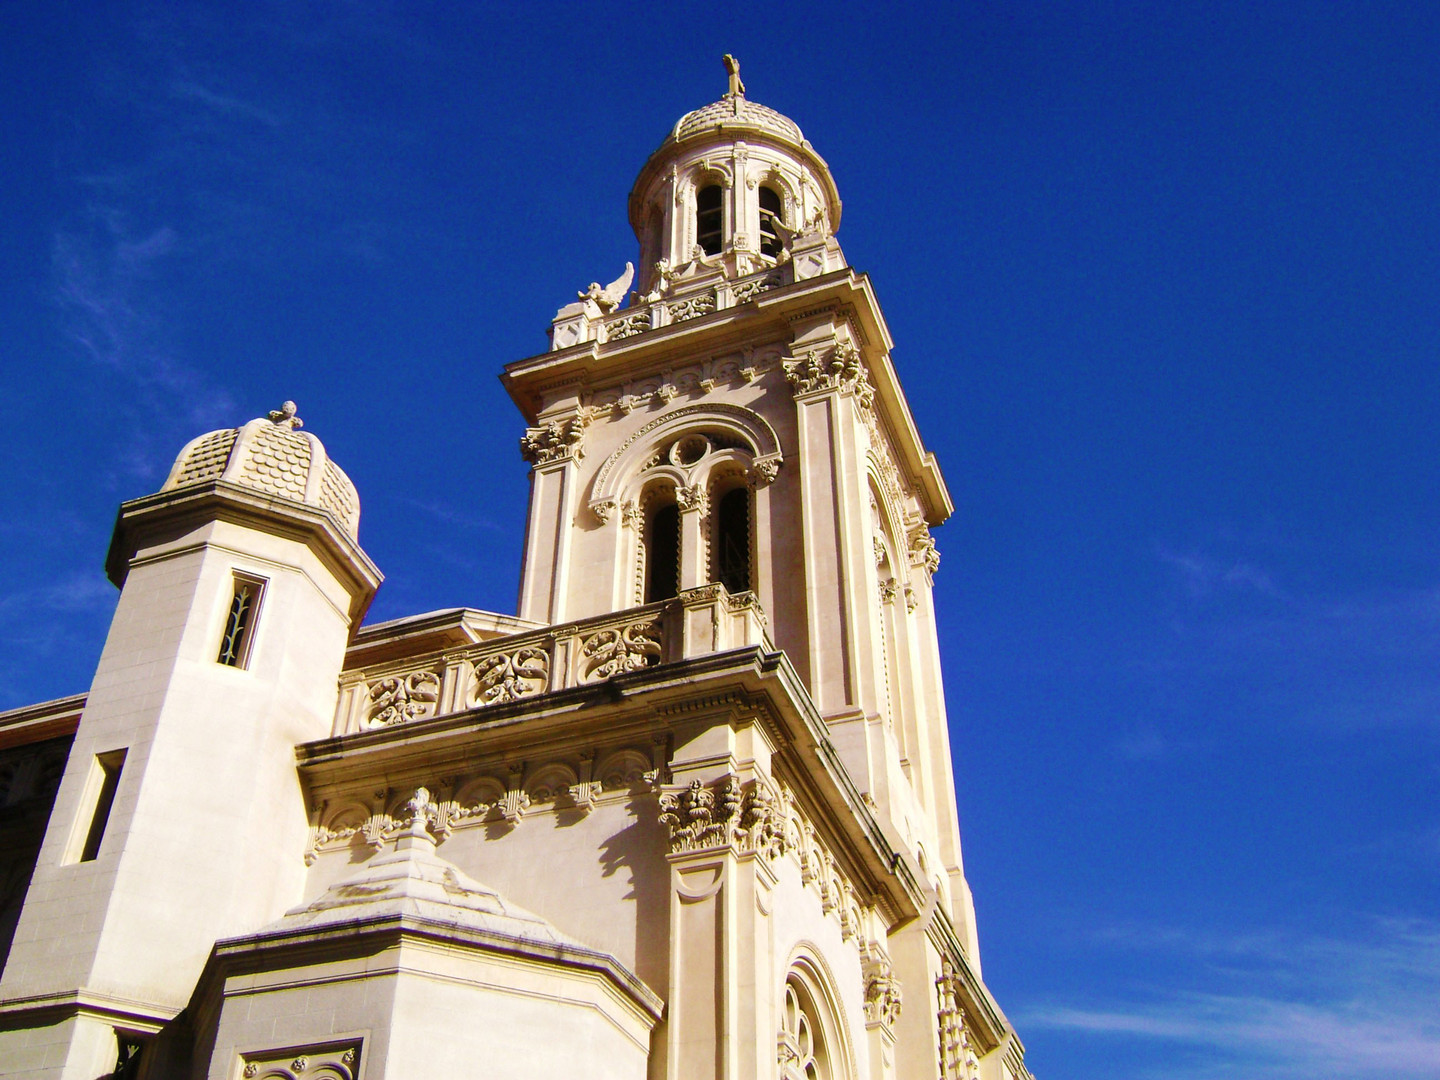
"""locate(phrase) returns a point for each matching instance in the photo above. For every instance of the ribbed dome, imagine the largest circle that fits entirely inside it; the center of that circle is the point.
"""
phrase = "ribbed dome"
(734, 113)
(270, 455)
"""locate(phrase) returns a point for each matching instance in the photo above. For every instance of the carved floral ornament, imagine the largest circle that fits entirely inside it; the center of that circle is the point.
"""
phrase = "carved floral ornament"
(838, 368)
(499, 672)
(559, 440)
(882, 992)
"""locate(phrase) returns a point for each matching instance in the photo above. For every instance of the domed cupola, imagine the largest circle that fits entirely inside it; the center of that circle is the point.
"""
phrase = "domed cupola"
(271, 455)
(732, 191)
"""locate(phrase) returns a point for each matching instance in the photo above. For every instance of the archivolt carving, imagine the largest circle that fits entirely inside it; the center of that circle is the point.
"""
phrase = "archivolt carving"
(751, 430)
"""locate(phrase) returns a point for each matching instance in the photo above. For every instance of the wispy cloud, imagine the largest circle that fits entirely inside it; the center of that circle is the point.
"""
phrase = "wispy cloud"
(1203, 575)
(223, 104)
(1313, 1007)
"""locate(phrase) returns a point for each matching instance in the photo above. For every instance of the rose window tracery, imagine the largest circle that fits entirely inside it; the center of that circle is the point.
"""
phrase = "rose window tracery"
(802, 1055)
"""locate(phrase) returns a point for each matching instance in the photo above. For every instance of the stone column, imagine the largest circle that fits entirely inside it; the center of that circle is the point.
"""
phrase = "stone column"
(556, 450)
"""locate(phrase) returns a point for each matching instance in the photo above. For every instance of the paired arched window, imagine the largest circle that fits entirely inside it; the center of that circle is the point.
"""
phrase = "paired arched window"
(730, 549)
(710, 218)
(662, 552)
(771, 213)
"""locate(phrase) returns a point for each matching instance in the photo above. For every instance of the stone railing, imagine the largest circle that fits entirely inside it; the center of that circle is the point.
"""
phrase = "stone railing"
(698, 621)
(639, 318)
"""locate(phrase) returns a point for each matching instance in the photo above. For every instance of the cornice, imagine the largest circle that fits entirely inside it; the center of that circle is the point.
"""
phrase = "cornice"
(169, 515)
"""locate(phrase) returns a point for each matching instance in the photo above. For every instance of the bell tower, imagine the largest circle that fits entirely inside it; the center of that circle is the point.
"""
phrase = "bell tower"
(740, 422)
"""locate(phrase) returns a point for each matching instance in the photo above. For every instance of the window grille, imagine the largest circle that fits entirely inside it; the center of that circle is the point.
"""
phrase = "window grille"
(240, 622)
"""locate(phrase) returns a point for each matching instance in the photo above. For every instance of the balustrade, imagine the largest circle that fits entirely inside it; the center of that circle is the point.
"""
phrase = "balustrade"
(698, 621)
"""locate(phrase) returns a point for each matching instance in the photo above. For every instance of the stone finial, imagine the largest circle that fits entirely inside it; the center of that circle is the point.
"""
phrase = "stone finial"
(285, 416)
(737, 88)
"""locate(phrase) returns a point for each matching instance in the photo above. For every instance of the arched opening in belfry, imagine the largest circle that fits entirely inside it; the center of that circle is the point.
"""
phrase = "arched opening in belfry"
(730, 554)
(662, 552)
(771, 214)
(710, 218)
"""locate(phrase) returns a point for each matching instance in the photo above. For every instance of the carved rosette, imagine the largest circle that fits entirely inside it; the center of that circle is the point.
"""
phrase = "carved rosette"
(614, 651)
(838, 369)
(559, 440)
(922, 549)
(510, 676)
(402, 698)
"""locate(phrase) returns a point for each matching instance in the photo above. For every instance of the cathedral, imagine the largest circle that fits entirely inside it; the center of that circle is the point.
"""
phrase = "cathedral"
(689, 813)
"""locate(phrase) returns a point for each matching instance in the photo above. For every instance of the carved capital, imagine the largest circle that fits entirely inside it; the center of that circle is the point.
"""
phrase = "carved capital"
(559, 440)
(763, 472)
(840, 369)
(693, 499)
(882, 992)
(699, 817)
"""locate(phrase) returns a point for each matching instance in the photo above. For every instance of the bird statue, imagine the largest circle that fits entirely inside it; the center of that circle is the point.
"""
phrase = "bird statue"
(608, 298)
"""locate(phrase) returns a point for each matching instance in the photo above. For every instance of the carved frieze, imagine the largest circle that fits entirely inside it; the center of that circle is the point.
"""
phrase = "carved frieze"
(617, 650)
(509, 676)
(401, 698)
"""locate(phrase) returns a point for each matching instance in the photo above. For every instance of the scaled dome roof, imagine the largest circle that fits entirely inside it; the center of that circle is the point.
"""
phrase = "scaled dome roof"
(735, 113)
(271, 456)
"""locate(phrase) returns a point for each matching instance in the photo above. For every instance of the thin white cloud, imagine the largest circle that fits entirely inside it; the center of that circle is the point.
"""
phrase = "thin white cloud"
(1314, 1007)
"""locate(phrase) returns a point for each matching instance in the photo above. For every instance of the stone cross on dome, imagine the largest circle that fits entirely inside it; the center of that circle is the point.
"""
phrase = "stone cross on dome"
(737, 88)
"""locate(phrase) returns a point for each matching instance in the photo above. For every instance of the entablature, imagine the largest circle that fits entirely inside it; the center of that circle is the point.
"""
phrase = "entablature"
(552, 385)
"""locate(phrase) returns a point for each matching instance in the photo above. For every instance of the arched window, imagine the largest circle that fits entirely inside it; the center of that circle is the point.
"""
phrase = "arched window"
(731, 551)
(802, 1045)
(709, 218)
(662, 553)
(770, 214)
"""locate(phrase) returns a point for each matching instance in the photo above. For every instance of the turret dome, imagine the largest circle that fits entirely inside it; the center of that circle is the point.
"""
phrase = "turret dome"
(736, 115)
(271, 455)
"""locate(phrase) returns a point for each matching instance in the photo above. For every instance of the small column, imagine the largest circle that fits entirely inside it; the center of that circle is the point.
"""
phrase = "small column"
(555, 449)
(694, 503)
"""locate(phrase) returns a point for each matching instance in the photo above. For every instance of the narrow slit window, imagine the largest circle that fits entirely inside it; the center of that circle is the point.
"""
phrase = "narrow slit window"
(732, 541)
(105, 781)
(240, 622)
(662, 554)
(771, 213)
(709, 219)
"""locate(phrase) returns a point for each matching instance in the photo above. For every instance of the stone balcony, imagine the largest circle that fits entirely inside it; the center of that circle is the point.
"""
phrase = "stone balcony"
(591, 651)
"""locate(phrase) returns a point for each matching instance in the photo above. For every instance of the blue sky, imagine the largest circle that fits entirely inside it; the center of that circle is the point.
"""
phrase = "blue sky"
(1163, 281)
